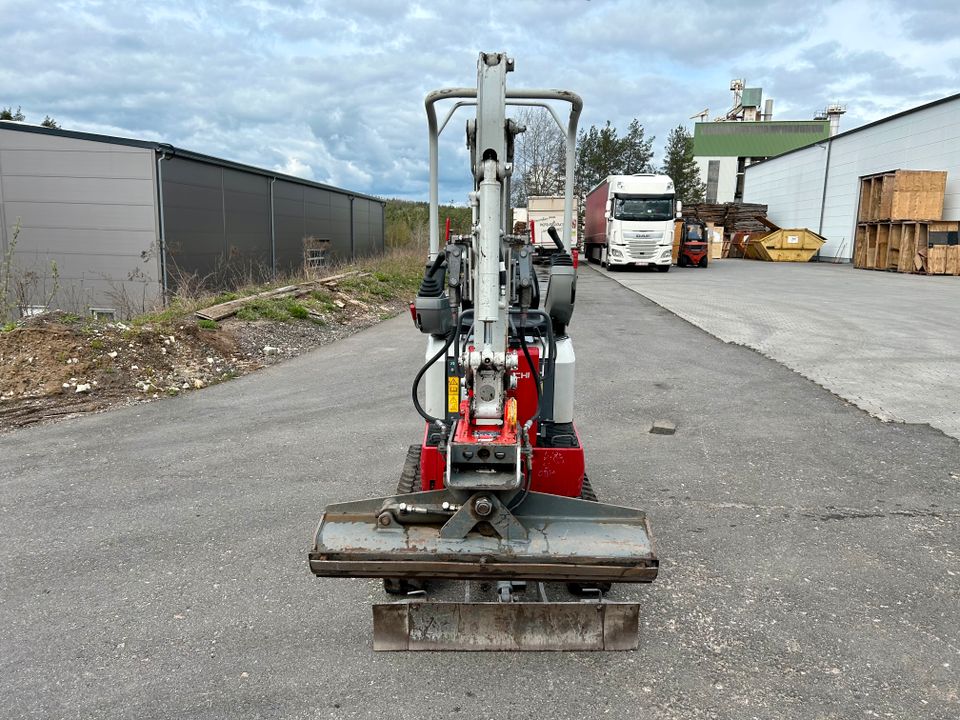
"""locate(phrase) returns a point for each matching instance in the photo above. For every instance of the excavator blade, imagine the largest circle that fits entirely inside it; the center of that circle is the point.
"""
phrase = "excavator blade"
(479, 626)
(562, 539)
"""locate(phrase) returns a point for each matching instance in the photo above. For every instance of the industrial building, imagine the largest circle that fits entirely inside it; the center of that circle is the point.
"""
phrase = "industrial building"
(125, 220)
(725, 147)
(818, 186)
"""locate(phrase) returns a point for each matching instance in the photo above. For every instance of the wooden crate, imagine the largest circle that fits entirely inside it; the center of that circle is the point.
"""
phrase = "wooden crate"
(870, 257)
(894, 240)
(899, 246)
(677, 234)
(943, 258)
(937, 259)
(883, 244)
(953, 260)
(715, 235)
(908, 247)
(902, 195)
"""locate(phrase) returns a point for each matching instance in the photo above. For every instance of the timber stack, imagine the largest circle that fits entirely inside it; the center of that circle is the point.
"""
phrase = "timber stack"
(732, 216)
(900, 226)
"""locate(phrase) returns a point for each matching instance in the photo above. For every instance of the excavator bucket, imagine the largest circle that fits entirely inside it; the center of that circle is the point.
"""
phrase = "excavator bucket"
(547, 538)
(481, 626)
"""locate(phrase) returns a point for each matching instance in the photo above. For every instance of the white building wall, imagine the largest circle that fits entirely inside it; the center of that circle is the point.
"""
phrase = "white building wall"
(792, 185)
(726, 181)
(88, 206)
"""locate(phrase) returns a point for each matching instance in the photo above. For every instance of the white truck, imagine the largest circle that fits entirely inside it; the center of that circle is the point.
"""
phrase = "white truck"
(629, 221)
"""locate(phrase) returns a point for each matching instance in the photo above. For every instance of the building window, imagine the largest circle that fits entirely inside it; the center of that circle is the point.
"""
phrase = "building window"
(741, 167)
(316, 258)
(713, 178)
(32, 310)
(316, 254)
(100, 313)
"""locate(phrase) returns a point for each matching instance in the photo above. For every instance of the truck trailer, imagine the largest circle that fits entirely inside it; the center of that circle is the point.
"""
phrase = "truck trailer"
(544, 212)
(629, 221)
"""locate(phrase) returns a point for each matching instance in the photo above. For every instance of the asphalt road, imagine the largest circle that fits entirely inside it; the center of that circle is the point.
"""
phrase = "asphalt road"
(153, 558)
(887, 342)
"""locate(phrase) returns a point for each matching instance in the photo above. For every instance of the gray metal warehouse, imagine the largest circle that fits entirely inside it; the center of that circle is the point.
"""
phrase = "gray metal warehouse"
(818, 186)
(124, 219)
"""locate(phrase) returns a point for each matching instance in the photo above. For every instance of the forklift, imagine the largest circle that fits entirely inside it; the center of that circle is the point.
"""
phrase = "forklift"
(694, 248)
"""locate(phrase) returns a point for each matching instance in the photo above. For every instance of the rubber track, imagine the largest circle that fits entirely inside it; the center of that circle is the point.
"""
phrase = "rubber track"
(410, 475)
(586, 492)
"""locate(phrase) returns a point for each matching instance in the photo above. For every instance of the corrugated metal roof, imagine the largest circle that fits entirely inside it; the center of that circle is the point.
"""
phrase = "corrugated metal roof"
(178, 152)
(756, 139)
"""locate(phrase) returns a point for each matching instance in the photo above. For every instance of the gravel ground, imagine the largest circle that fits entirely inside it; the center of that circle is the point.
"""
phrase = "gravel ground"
(51, 369)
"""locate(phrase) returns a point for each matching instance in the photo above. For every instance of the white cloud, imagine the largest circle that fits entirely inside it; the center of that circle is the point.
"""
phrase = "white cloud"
(336, 89)
(296, 167)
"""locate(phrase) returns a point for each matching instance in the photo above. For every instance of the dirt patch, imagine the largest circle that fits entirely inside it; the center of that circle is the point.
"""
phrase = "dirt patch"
(56, 366)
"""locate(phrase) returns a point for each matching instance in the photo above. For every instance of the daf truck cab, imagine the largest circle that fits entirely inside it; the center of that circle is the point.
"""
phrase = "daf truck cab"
(629, 221)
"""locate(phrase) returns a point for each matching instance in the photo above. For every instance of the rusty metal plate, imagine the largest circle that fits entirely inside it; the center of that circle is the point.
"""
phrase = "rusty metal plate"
(567, 539)
(515, 626)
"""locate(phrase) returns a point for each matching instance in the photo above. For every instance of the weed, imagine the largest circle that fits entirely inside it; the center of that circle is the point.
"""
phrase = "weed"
(96, 344)
(298, 311)
(8, 327)
(221, 298)
(205, 324)
(168, 316)
(264, 309)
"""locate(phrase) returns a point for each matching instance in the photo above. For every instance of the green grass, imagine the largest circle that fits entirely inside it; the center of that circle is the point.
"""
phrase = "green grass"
(298, 311)
(96, 344)
(174, 312)
(221, 298)
(276, 309)
(390, 277)
(322, 301)
(8, 327)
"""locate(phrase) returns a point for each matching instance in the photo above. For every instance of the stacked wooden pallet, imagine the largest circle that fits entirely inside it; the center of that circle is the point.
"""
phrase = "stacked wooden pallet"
(899, 226)
(732, 216)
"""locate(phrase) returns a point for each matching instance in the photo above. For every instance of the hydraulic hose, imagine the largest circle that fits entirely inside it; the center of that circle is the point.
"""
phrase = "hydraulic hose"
(528, 480)
(416, 381)
(533, 370)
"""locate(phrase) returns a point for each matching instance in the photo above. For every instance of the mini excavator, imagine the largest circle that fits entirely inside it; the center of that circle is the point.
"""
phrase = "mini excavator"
(496, 494)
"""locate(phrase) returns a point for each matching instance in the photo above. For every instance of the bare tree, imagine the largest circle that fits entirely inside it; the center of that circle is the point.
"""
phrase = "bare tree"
(538, 156)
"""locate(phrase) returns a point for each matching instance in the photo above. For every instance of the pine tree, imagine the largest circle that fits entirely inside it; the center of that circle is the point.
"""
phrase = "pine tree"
(7, 113)
(602, 152)
(679, 164)
(637, 152)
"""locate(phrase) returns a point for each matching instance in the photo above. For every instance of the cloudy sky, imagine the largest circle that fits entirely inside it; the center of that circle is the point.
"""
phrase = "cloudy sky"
(333, 91)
